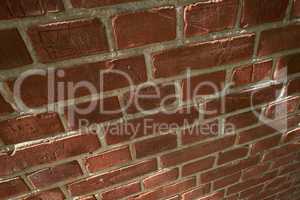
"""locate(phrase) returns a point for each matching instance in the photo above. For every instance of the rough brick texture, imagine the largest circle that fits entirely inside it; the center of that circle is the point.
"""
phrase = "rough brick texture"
(149, 99)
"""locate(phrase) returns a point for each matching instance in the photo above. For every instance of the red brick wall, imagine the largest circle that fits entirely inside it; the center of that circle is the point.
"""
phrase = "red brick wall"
(241, 46)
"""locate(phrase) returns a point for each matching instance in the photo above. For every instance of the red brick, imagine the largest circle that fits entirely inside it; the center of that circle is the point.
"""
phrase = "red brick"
(257, 170)
(63, 172)
(252, 191)
(203, 55)
(198, 166)
(287, 66)
(5, 107)
(293, 86)
(34, 89)
(296, 8)
(145, 27)
(121, 192)
(265, 144)
(13, 50)
(30, 127)
(201, 132)
(257, 12)
(282, 108)
(54, 194)
(108, 159)
(207, 84)
(155, 145)
(47, 152)
(197, 151)
(68, 39)
(250, 183)
(19, 9)
(229, 180)
(255, 133)
(252, 73)
(13, 187)
(281, 151)
(293, 135)
(167, 191)
(215, 196)
(149, 96)
(210, 16)
(231, 155)
(290, 168)
(93, 3)
(95, 112)
(160, 178)
(242, 120)
(229, 169)
(112, 177)
(156, 123)
(196, 193)
(284, 161)
(289, 37)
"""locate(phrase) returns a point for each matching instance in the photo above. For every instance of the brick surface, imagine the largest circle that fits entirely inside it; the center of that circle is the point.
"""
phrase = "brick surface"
(196, 193)
(203, 55)
(155, 145)
(47, 177)
(226, 181)
(68, 39)
(112, 177)
(296, 8)
(231, 155)
(20, 9)
(145, 27)
(289, 37)
(13, 50)
(99, 76)
(30, 127)
(265, 144)
(54, 194)
(243, 120)
(108, 159)
(121, 192)
(5, 107)
(287, 66)
(12, 188)
(161, 178)
(93, 3)
(257, 12)
(47, 152)
(210, 16)
(198, 166)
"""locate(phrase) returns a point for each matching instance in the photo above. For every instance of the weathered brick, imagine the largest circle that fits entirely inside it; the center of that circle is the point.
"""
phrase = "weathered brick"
(255, 133)
(255, 171)
(13, 187)
(145, 27)
(112, 177)
(47, 152)
(208, 84)
(242, 120)
(198, 166)
(281, 151)
(100, 76)
(293, 86)
(257, 12)
(156, 123)
(252, 73)
(288, 35)
(292, 135)
(216, 195)
(13, 52)
(226, 181)
(96, 3)
(229, 169)
(161, 177)
(5, 107)
(196, 193)
(30, 127)
(252, 191)
(155, 145)
(282, 108)
(54, 194)
(210, 16)
(286, 66)
(296, 8)
(147, 97)
(122, 191)
(167, 191)
(98, 111)
(69, 39)
(108, 159)
(63, 172)
(197, 151)
(265, 144)
(20, 9)
(231, 155)
(203, 55)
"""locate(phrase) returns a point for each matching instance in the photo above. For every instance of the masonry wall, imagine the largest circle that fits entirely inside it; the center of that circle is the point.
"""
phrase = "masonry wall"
(45, 156)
